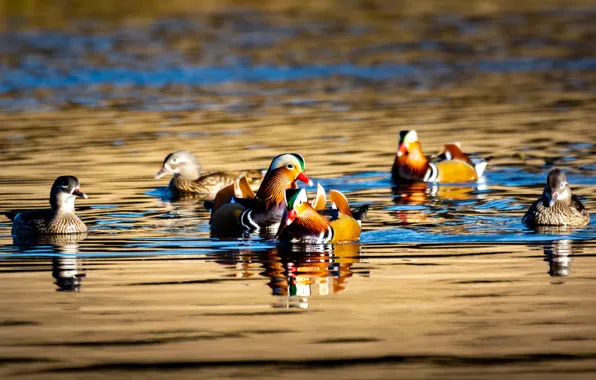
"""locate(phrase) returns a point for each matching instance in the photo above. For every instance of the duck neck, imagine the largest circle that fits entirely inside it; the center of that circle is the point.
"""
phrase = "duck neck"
(414, 160)
(63, 203)
(273, 187)
(189, 172)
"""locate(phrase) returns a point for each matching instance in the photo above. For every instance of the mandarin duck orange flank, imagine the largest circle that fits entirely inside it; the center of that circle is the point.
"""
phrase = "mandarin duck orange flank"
(188, 179)
(557, 206)
(305, 224)
(59, 219)
(263, 209)
(451, 166)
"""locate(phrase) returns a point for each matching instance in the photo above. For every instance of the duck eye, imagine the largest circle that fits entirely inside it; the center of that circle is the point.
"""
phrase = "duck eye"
(290, 166)
(175, 160)
(562, 185)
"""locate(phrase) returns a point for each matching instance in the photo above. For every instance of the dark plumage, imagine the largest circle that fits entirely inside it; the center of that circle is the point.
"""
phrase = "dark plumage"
(557, 206)
(59, 219)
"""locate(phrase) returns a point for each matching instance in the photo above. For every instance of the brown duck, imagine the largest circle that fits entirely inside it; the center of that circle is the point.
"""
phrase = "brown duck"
(188, 178)
(451, 166)
(59, 219)
(557, 206)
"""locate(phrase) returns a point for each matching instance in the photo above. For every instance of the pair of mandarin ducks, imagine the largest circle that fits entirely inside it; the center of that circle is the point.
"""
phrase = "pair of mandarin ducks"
(280, 204)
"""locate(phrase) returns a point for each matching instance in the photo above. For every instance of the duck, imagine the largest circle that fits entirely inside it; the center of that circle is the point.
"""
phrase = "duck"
(263, 209)
(188, 179)
(557, 206)
(307, 223)
(450, 166)
(60, 218)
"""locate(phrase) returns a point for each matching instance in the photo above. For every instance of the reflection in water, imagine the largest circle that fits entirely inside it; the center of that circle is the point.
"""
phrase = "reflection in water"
(420, 193)
(557, 251)
(298, 272)
(67, 272)
(558, 256)
(423, 195)
(66, 268)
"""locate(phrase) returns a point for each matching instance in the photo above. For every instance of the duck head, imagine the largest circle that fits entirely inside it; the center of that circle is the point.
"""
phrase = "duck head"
(409, 154)
(296, 204)
(282, 174)
(300, 211)
(407, 140)
(181, 163)
(557, 189)
(64, 191)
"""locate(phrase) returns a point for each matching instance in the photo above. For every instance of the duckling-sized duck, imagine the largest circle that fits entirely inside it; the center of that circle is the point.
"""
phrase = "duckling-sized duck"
(302, 221)
(59, 219)
(557, 206)
(452, 165)
(263, 209)
(186, 169)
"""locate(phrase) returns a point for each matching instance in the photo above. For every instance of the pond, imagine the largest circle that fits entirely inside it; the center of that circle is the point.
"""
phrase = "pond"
(446, 281)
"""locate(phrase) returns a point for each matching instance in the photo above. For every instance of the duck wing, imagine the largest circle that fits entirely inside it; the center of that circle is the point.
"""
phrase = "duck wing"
(577, 203)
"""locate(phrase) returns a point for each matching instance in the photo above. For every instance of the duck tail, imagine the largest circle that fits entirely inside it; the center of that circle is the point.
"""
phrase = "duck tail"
(361, 213)
(208, 204)
(479, 165)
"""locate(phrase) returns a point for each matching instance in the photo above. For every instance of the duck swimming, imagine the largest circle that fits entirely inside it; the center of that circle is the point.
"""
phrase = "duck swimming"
(263, 209)
(186, 169)
(557, 206)
(451, 166)
(307, 223)
(60, 218)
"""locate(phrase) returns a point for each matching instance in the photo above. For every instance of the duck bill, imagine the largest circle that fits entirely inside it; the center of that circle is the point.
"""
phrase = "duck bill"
(553, 199)
(290, 217)
(79, 193)
(402, 149)
(161, 173)
(304, 178)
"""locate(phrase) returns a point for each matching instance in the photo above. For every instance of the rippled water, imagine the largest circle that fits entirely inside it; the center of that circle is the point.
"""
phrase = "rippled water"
(446, 281)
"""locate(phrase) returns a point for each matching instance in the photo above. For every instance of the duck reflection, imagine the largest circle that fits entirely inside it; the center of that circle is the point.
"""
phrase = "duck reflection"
(428, 195)
(299, 272)
(557, 252)
(296, 272)
(67, 267)
(421, 193)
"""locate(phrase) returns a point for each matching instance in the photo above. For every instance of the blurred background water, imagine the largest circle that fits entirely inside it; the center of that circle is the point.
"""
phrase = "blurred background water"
(446, 281)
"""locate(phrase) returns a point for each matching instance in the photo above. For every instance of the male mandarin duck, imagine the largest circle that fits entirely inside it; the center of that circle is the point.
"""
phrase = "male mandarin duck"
(186, 170)
(263, 209)
(303, 223)
(59, 219)
(452, 165)
(557, 206)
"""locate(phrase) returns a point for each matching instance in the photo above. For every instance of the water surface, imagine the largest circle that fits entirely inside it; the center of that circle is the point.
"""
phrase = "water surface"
(446, 281)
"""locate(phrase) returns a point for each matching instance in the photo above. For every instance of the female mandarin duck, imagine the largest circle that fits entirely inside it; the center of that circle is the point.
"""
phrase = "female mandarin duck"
(188, 178)
(302, 222)
(59, 219)
(557, 206)
(452, 165)
(263, 209)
